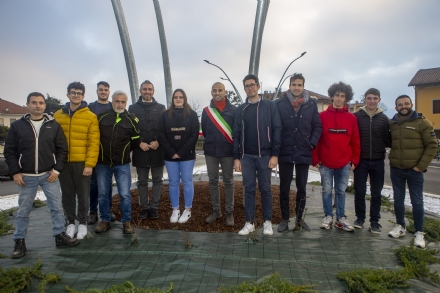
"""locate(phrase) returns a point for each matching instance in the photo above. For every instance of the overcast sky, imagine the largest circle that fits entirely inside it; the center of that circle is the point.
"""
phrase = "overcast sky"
(46, 44)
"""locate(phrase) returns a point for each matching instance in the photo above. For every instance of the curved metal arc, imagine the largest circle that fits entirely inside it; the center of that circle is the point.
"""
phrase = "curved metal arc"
(126, 47)
(281, 80)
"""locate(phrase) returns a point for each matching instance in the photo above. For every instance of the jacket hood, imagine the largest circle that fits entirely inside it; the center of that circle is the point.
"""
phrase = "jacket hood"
(330, 108)
(46, 117)
(142, 103)
(66, 108)
(378, 110)
(414, 116)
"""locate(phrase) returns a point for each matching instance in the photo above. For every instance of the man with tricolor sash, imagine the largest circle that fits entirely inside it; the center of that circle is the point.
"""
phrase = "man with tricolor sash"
(217, 123)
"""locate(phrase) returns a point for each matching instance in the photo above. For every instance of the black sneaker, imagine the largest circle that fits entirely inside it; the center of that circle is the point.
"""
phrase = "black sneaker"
(283, 226)
(375, 228)
(64, 240)
(359, 224)
(144, 214)
(93, 218)
(154, 214)
(19, 248)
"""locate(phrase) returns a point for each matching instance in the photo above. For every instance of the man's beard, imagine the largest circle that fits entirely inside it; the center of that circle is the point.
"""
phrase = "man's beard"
(119, 111)
(404, 115)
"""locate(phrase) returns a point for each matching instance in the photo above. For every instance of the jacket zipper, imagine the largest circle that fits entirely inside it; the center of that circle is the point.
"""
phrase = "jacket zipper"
(258, 129)
(371, 138)
(242, 131)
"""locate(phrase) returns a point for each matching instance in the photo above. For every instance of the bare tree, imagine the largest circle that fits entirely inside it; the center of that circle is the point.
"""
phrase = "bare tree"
(196, 105)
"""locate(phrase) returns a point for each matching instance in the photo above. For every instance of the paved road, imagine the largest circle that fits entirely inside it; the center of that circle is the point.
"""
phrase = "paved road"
(432, 178)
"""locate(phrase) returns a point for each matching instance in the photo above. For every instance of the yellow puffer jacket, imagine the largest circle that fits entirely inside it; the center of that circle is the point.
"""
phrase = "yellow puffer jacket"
(82, 134)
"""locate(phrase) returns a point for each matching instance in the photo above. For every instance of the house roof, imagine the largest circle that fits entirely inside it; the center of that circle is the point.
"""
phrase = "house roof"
(7, 107)
(317, 96)
(426, 76)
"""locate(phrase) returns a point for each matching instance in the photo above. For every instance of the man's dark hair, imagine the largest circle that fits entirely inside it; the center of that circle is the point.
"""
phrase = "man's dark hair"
(343, 88)
(251, 76)
(104, 83)
(147, 82)
(297, 76)
(401, 97)
(35, 94)
(76, 85)
(372, 91)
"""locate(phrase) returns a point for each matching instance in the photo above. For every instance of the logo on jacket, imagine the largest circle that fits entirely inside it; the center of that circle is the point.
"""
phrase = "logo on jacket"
(337, 131)
(178, 128)
(177, 137)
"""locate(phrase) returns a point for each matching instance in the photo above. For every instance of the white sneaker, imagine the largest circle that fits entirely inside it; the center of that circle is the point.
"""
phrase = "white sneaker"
(185, 216)
(267, 228)
(344, 224)
(82, 232)
(175, 216)
(327, 222)
(397, 232)
(71, 230)
(248, 227)
(419, 239)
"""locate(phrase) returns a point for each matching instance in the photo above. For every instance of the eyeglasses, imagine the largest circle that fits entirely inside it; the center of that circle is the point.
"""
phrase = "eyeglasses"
(402, 104)
(248, 86)
(79, 94)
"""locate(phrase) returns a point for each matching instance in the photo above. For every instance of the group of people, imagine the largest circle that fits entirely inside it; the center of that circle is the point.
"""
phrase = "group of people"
(85, 145)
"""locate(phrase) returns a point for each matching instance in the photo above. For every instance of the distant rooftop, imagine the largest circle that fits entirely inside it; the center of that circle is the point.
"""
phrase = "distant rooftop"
(426, 76)
(7, 107)
(317, 96)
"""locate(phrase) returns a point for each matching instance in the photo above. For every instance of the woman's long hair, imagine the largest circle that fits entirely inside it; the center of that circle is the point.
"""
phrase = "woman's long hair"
(186, 106)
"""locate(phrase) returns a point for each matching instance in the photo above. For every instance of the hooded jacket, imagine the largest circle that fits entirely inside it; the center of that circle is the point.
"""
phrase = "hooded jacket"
(339, 143)
(27, 153)
(119, 135)
(149, 115)
(413, 144)
(300, 130)
(268, 125)
(374, 131)
(179, 135)
(82, 133)
(215, 144)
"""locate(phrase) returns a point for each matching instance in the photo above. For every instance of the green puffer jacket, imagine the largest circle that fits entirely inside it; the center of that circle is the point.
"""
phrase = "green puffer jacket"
(413, 143)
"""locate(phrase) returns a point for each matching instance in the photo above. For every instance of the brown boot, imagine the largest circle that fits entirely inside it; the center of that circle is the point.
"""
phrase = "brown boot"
(128, 229)
(103, 226)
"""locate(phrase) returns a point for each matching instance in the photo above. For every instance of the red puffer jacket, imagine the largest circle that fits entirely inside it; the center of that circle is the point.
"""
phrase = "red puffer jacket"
(339, 143)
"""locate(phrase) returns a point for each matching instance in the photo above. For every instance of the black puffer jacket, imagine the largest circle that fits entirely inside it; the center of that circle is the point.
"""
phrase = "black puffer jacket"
(25, 153)
(119, 135)
(179, 135)
(215, 143)
(297, 140)
(149, 115)
(375, 134)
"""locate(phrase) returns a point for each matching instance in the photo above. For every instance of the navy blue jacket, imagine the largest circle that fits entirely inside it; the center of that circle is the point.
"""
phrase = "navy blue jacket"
(215, 143)
(269, 129)
(298, 148)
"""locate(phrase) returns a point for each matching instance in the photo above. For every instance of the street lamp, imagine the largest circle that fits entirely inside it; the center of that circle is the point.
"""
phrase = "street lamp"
(281, 80)
(227, 78)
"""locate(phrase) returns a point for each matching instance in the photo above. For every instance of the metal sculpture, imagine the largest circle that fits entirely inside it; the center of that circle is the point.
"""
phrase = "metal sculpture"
(260, 20)
(128, 52)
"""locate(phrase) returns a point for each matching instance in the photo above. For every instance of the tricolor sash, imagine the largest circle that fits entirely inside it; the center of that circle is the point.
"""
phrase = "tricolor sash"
(220, 123)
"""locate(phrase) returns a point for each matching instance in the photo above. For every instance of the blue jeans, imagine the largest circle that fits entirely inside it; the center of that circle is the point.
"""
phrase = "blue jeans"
(176, 171)
(251, 165)
(26, 196)
(340, 176)
(376, 170)
(104, 175)
(414, 179)
(94, 193)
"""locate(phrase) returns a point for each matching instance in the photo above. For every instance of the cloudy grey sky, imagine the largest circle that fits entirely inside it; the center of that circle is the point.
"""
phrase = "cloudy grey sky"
(46, 44)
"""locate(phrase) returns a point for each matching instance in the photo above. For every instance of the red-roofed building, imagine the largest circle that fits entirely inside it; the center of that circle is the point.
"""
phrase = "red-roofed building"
(426, 85)
(9, 112)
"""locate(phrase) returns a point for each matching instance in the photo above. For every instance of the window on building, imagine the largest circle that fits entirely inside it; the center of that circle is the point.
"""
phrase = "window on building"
(12, 120)
(2, 122)
(436, 107)
(437, 133)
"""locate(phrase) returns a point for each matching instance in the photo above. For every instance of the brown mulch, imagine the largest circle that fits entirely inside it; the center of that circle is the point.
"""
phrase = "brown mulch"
(202, 209)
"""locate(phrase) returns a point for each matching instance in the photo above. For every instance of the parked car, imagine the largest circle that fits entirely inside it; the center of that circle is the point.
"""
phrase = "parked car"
(4, 170)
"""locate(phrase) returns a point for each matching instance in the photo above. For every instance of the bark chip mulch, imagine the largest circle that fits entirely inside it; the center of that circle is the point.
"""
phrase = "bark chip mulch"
(202, 209)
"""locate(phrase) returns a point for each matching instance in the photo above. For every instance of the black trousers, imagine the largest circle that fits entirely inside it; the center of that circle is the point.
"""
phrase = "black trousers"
(301, 176)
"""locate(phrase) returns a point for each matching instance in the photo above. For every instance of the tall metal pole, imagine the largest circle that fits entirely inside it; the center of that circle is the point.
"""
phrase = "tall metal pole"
(260, 20)
(164, 47)
(128, 52)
